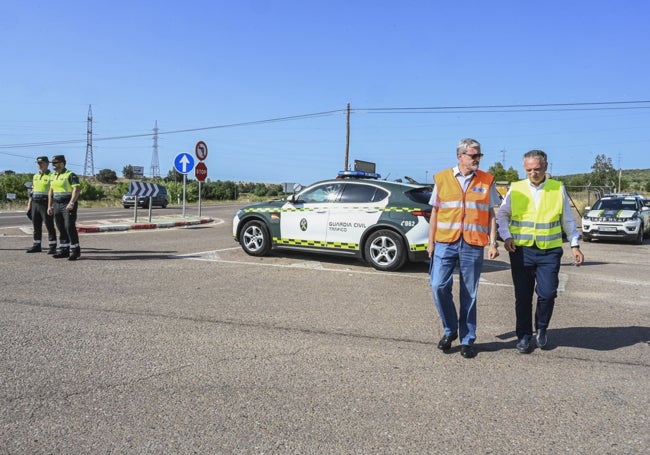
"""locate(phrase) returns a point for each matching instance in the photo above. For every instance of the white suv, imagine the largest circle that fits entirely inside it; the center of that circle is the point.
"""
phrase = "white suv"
(617, 217)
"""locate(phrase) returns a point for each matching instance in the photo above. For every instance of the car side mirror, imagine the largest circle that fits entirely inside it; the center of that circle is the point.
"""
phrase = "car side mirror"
(645, 208)
(587, 208)
(293, 199)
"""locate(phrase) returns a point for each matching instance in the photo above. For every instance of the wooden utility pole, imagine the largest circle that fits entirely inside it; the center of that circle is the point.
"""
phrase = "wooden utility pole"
(347, 140)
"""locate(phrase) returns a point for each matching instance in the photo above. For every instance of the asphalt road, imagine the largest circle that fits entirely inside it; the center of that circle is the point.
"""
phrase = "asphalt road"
(175, 341)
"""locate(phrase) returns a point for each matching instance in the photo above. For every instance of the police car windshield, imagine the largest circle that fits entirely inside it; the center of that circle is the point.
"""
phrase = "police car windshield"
(615, 204)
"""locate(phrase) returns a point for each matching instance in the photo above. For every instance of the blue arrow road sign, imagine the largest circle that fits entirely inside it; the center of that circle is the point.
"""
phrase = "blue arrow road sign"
(184, 163)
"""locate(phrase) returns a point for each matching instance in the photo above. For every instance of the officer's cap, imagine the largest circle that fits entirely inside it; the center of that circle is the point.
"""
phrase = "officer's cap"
(58, 158)
(42, 159)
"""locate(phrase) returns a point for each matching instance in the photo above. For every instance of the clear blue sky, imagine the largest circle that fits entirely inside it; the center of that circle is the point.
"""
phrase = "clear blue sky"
(204, 65)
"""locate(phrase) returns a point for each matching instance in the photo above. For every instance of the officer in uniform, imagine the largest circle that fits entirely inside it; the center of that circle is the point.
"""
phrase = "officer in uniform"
(63, 201)
(37, 207)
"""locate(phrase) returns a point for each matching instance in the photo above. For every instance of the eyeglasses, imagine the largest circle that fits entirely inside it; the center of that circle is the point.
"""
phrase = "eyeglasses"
(476, 156)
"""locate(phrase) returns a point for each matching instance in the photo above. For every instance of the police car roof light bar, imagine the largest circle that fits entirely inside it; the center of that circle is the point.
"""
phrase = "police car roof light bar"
(358, 174)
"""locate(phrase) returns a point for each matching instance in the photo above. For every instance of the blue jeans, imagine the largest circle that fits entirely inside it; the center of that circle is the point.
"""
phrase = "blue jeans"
(534, 270)
(469, 259)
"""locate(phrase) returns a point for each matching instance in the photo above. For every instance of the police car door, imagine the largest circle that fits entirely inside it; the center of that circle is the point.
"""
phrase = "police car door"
(304, 223)
(359, 207)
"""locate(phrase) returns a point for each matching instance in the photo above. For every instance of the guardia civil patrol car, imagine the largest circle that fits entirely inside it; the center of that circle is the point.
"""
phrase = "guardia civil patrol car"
(356, 214)
(617, 217)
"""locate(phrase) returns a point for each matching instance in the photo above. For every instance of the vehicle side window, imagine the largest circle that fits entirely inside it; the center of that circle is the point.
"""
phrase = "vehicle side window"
(362, 193)
(322, 193)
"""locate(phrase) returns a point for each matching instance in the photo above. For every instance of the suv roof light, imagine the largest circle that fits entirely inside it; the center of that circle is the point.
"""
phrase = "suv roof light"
(358, 175)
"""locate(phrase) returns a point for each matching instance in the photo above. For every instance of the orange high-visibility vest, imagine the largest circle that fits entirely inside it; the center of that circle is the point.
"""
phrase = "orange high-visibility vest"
(463, 212)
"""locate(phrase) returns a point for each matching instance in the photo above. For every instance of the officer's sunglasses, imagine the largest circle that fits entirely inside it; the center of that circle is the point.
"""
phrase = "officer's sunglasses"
(476, 156)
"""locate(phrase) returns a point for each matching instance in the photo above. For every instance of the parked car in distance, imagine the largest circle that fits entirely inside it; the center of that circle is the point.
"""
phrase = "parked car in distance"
(159, 200)
(383, 223)
(617, 217)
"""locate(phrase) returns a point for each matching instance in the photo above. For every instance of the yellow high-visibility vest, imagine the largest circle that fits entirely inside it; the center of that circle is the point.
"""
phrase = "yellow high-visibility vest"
(542, 225)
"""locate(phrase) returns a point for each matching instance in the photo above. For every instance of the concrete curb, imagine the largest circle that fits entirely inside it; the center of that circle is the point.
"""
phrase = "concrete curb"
(152, 225)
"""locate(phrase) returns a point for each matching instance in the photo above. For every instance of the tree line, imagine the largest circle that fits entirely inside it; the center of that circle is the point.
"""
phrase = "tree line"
(105, 185)
(603, 174)
(99, 188)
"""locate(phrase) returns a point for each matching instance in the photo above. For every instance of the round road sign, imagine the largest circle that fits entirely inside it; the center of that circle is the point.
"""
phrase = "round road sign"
(201, 150)
(200, 171)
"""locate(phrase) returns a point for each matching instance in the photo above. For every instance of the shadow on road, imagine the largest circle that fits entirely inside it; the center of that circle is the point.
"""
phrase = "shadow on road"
(594, 338)
(99, 254)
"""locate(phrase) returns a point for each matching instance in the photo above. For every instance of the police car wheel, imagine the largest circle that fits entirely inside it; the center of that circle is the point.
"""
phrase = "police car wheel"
(255, 238)
(385, 250)
(639, 238)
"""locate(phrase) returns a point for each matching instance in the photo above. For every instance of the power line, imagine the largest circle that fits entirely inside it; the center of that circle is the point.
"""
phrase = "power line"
(495, 108)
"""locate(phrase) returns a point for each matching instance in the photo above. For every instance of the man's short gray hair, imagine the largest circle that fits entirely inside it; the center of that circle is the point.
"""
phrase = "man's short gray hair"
(537, 154)
(467, 143)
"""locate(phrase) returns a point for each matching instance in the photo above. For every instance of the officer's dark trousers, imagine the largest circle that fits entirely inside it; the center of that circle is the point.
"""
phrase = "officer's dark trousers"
(534, 270)
(39, 215)
(66, 223)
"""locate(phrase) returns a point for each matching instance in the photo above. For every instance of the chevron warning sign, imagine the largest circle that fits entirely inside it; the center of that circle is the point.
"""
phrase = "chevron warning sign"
(144, 189)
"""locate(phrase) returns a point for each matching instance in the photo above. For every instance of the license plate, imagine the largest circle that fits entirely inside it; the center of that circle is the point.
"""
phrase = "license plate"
(607, 229)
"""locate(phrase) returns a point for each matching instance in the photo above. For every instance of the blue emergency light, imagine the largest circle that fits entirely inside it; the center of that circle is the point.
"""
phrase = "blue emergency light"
(358, 175)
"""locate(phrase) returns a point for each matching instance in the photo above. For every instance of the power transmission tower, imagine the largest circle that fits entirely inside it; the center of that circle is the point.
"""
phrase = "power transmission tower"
(155, 167)
(89, 167)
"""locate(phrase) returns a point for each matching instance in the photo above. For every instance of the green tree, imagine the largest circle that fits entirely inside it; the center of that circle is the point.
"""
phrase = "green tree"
(501, 174)
(260, 190)
(120, 190)
(127, 172)
(107, 176)
(14, 183)
(603, 173)
(90, 192)
(174, 176)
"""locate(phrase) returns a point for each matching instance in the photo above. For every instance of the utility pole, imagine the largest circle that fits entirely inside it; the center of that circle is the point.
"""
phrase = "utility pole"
(155, 167)
(89, 167)
(347, 140)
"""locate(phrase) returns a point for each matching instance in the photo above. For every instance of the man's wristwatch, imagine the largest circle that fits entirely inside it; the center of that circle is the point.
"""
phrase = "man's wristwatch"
(495, 243)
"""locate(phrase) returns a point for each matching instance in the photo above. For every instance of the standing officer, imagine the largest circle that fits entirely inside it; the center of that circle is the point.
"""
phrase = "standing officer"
(462, 224)
(63, 197)
(531, 219)
(37, 207)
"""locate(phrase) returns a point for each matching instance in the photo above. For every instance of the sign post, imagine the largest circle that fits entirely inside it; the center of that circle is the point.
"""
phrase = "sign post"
(184, 163)
(137, 189)
(201, 170)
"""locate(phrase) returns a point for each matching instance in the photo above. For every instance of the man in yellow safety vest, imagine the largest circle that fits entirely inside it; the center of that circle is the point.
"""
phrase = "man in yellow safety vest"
(63, 201)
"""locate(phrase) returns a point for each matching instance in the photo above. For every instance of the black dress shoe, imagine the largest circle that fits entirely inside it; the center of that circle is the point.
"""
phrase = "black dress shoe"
(524, 345)
(34, 249)
(445, 342)
(468, 351)
(51, 250)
